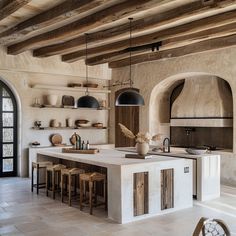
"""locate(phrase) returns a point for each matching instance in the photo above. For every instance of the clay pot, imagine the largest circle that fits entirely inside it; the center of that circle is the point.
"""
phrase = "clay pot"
(142, 148)
(52, 99)
(54, 123)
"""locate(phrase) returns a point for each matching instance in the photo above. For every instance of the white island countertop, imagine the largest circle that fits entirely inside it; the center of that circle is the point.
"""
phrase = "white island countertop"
(104, 158)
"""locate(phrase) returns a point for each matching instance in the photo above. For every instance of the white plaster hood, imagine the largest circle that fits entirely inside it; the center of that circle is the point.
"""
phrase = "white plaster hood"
(203, 102)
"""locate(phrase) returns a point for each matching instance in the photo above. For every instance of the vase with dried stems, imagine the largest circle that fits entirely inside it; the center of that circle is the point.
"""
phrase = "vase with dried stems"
(142, 139)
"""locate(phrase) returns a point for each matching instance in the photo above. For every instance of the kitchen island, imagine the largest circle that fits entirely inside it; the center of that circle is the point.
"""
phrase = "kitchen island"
(137, 188)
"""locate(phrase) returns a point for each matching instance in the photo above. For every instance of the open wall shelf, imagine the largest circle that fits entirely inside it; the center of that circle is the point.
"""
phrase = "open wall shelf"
(70, 89)
(68, 128)
(72, 108)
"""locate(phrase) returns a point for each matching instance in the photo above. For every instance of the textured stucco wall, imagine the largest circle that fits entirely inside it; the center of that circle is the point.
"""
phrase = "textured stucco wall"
(155, 77)
(23, 70)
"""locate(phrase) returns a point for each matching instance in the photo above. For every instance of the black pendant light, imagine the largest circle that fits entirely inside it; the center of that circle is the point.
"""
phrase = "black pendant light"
(130, 97)
(87, 101)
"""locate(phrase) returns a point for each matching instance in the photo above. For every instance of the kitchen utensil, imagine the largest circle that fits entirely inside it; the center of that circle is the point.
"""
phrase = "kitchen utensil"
(56, 139)
(52, 99)
(68, 101)
(90, 85)
(196, 151)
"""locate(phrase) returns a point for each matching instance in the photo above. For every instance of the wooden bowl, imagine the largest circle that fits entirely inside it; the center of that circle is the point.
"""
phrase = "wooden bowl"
(90, 85)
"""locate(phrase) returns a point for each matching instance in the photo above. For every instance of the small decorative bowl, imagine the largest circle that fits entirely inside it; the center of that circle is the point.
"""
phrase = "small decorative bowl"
(195, 151)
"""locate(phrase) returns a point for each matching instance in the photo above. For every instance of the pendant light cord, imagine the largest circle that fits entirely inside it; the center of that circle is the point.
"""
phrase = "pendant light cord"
(86, 57)
(130, 48)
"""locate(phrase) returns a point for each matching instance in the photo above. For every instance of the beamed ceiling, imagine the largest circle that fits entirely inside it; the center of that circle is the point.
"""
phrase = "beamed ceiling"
(49, 27)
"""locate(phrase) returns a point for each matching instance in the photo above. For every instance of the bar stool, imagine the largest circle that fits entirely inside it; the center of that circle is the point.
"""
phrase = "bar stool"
(53, 174)
(92, 179)
(69, 173)
(39, 166)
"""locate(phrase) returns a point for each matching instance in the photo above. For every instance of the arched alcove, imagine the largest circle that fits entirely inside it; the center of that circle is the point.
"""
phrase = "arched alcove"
(160, 102)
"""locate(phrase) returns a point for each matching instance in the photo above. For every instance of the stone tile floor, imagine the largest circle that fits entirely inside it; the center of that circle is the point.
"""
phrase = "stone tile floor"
(24, 213)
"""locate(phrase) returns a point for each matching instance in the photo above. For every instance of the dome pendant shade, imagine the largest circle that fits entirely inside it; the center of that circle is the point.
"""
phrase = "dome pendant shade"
(130, 97)
(87, 102)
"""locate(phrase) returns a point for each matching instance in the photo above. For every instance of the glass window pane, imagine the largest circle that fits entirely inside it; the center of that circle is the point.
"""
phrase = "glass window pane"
(7, 135)
(7, 165)
(7, 119)
(7, 150)
(7, 104)
(5, 93)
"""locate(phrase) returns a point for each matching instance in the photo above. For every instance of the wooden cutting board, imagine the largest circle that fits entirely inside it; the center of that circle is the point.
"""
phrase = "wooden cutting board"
(56, 139)
(72, 150)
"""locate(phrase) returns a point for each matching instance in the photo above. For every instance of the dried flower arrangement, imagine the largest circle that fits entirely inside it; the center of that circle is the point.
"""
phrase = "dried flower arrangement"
(139, 137)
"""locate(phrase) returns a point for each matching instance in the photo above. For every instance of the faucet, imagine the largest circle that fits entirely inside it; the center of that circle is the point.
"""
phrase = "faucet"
(166, 145)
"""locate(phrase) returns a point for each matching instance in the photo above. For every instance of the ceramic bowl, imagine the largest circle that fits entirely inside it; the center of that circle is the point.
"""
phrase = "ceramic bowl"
(195, 151)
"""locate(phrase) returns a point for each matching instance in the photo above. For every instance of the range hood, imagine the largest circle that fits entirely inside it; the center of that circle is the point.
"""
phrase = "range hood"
(203, 102)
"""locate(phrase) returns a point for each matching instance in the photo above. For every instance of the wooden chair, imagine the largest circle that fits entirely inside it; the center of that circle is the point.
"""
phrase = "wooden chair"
(70, 173)
(92, 179)
(39, 166)
(53, 176)
(211, 227)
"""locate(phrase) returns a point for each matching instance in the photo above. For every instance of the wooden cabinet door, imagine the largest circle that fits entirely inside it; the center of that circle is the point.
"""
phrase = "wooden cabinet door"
(128, 116)
(167, 189)
(140, 196)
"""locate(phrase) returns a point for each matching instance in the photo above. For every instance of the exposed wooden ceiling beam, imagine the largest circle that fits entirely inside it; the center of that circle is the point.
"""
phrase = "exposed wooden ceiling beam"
(189, 10)
(71, 30)
(166, 44)
(193, 27)
(65, 10)
(11, 6)
(211, 44)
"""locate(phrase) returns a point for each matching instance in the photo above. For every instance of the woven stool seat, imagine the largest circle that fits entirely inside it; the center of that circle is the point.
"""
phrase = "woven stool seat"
(92, 176)
(41, 164)
(72, 171)
(57, 167)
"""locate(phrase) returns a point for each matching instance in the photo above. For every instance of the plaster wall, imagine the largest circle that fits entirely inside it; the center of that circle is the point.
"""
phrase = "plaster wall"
(155, 77)
(22, 71)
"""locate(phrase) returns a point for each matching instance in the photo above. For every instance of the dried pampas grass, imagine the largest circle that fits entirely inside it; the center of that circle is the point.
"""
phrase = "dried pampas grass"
(128, 133)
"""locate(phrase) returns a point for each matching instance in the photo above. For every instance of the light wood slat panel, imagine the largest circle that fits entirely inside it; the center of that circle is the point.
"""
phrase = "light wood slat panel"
(11, 6)
(140, 197)
(206, 45)
(71, 30)
(189, 10)
(65, 10)
(167, 189)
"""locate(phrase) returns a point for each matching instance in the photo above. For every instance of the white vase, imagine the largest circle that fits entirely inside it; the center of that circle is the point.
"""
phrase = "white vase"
(52, 99)
(142, 148)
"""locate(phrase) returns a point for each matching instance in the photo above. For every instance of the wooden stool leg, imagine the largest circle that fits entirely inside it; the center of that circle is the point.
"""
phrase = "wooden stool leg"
(75, 185)
(53, 184)
(91, 197)
(47, 184)
(62, 187)
(69, 189)
(81, 193)
(105, 193)
(37, 185)
(66, 183)
(95, 192)
(32, 178)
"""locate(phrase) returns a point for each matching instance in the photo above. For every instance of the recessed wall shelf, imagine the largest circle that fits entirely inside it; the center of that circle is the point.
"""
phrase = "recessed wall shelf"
(73, 108)
(71, 89)
(68, 128)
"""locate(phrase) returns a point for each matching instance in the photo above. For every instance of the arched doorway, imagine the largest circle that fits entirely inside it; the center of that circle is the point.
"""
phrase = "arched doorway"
(8, 132)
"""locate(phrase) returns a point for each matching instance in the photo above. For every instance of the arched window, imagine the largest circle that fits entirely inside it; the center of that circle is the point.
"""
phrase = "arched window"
(8, 132)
